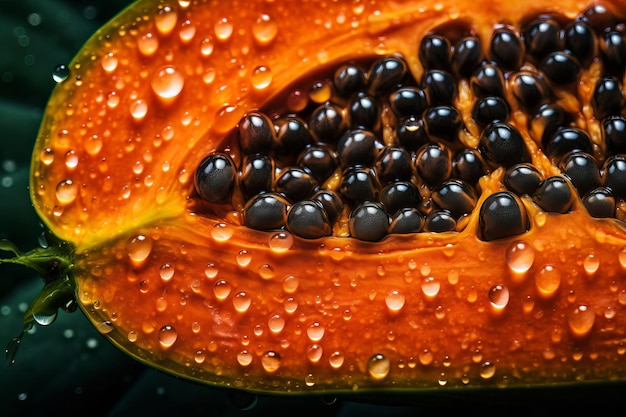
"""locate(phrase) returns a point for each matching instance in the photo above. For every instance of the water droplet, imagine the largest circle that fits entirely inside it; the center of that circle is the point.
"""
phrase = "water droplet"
(426, 357)
(221, 232)
(487, 370)
(281, 242)
(187, 31)
(315, 332)
(221, 289)
(132, 336)
(113, 99)
(266, 271)
(276, 323)
(270, 361)
(395, 301)
(378, 366)
(60, 73)
(261, 77)
(166, 271)
(104, 327)
(109, 62)
(622, 257)
(45, 318)
(66, 191)
(291, 305)
(165, 19)
(148, 44)
(195, 327)
(138, 109)
(309, 380)
(244, 358)
(547, 281)
(199, 356)
(242, 301)
(290, 284)
(93, 145)
(138, 248)
(206, 47)
(591, 264)
(430, 287)
(168, 82)
(167, 336)
(211, 270)
(499, 296)
(46, 156)
(581, 320)
(264, 29)
(520, 256)
(336, 360)
(320, 92)
(223, 29)
(184, 3)
(244, 258)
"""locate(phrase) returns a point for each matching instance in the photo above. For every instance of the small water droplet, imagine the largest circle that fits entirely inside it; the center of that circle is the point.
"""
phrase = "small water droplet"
(104, 327)
(109, 62)
(60, 73)
(426, 357)
(266, 271)
(195, 327)
(166, 272)
(320, 92)
(138, 109)
(378, 366)
(395, 301)
(591, 264)
(45, 317)
(223, 29)
(264, 29)
(242, 301)
(168, 82)
(148, 44)
(520, 256)
(499, 296)
(66, 191)
(187, 31)
(309, 380)
(132, 336)
(93, 145)
(221, 232)
(244, 258)
(47, 156)
(167, 336)
(270, 361)
(244, 358)
(622, 257)
(199, 356)
(291, 305)
(113, 99)
(336, 360)
(221, 289)
(581, 320)
(138, 248)
(206, 47)
(430, 287)
(315, 332)
(281, 241)
(290, 284)
(276, 323)
(165, 19)
(487, 370)
(261, 77)
(547, 281)
(211, 270)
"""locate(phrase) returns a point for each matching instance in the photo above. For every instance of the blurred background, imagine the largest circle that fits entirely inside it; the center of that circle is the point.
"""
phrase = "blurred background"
(68, 368)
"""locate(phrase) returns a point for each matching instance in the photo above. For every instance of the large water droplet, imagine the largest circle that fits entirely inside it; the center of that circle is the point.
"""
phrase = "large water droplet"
(206, 47)
(242, 301)
(165, 19)
(276, 323)
(487, 370)
(148, 44)
(66, 191)
(264, 29)
(93, 145)
(395, 301)
(315, 332)
(336, 360)
(244, 258)
(138, 109)
(314, 353)
(581, 320)
(591, 263)
(166, 272)
(168, 82)
(109, 62)
(261, 77)
(378, 366)
(520, 256)
(281, 242)
(221, 232)
(187, 31)
(290, 284)
(221, 289)
(270, 361)
(47, 156)
(430, 287)
(547, 281)
(223, 29)
(60, 73)
(167, 336)
(244, 358)
(499, 296)
(138, 248)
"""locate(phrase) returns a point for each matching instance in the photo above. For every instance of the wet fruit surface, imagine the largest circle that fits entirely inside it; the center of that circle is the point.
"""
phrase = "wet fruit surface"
(140, 165)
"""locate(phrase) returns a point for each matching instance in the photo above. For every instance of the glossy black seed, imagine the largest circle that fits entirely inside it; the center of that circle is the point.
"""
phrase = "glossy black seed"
(469, 165)
(411, 133)
(327, 123)
(599, 17)
(368, 221)
(580, 41)
(608, 97)
(614, 51)
(522, 179)
(560, 68)
(506, 49)
(407, 220)
(257, 175)
(530, 90)
(386, 74)
(502, 144)
(398, 195)
(256, 133)
(600, 202)
(541, 37)
(441, 87)
(490, 109)
(467, 56)
(567, 139)
(502, 215)
(266, 211)
(215, 178)
(358, 185)
(348, 79)
(439, 221)
(443, 123)
(408, 101)
(546, 121)
(582, 170)
(614, 133)
(554, 195)
(295, 183)
(331, 202)
(433, 163)
(488, 80)
(456, 196)
(364, 112)
(308, 219)
(293, 137)
(358, 147)
(614, 175)
(319, 161)
(394, 164)
(434, 52)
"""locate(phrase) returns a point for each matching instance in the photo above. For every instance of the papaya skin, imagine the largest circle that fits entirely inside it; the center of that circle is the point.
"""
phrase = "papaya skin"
(171, 287)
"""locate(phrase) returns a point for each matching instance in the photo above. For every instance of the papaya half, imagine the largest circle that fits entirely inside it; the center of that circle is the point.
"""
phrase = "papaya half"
(340, 197)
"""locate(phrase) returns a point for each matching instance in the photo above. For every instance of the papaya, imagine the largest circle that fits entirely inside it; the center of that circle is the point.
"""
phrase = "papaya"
(343, 197)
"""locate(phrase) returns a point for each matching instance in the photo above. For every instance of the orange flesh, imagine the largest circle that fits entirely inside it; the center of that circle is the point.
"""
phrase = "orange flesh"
(157, 89)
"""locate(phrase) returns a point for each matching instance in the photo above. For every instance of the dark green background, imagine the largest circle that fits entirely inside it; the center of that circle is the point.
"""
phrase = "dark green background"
(69, 369)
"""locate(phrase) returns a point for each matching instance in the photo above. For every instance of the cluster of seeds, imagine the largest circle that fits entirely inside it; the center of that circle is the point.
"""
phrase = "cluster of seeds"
(370, 150)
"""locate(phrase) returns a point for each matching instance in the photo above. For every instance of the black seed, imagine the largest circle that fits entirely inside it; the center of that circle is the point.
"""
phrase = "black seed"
(386, 74)
(215, 178)
(600, 202)
(490, 109)
(614, 175)
(522, 179)
(398, 195)
(331, 202)
(467, 56)
(349, 79)
(308, 219)
(541, 37)
(488, 80)
(257, 175)
(256, 133)
(434, 52)
(502, 215)
(469, 165)
(614, 50)
(327, 123)
(408, 101)
(319, 161)
(411, 133)
(580, 41)
(530, 90)
(433, 163)
(441, 87)
(614, 133)
(368, 221)
(358, 185)
(266, 212)
(502, 144)
(567, 139)
(443, 123)
(293, 137)
(358, 147)
(599, 17)
(506, 49)
(394, 164)
(546, 121)
(364, 112)
(554, 195)
(407, 220)
(439, 221)
(608, 97)
(456, 196)
(560, 68)
(582, 171)
(295, 183)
